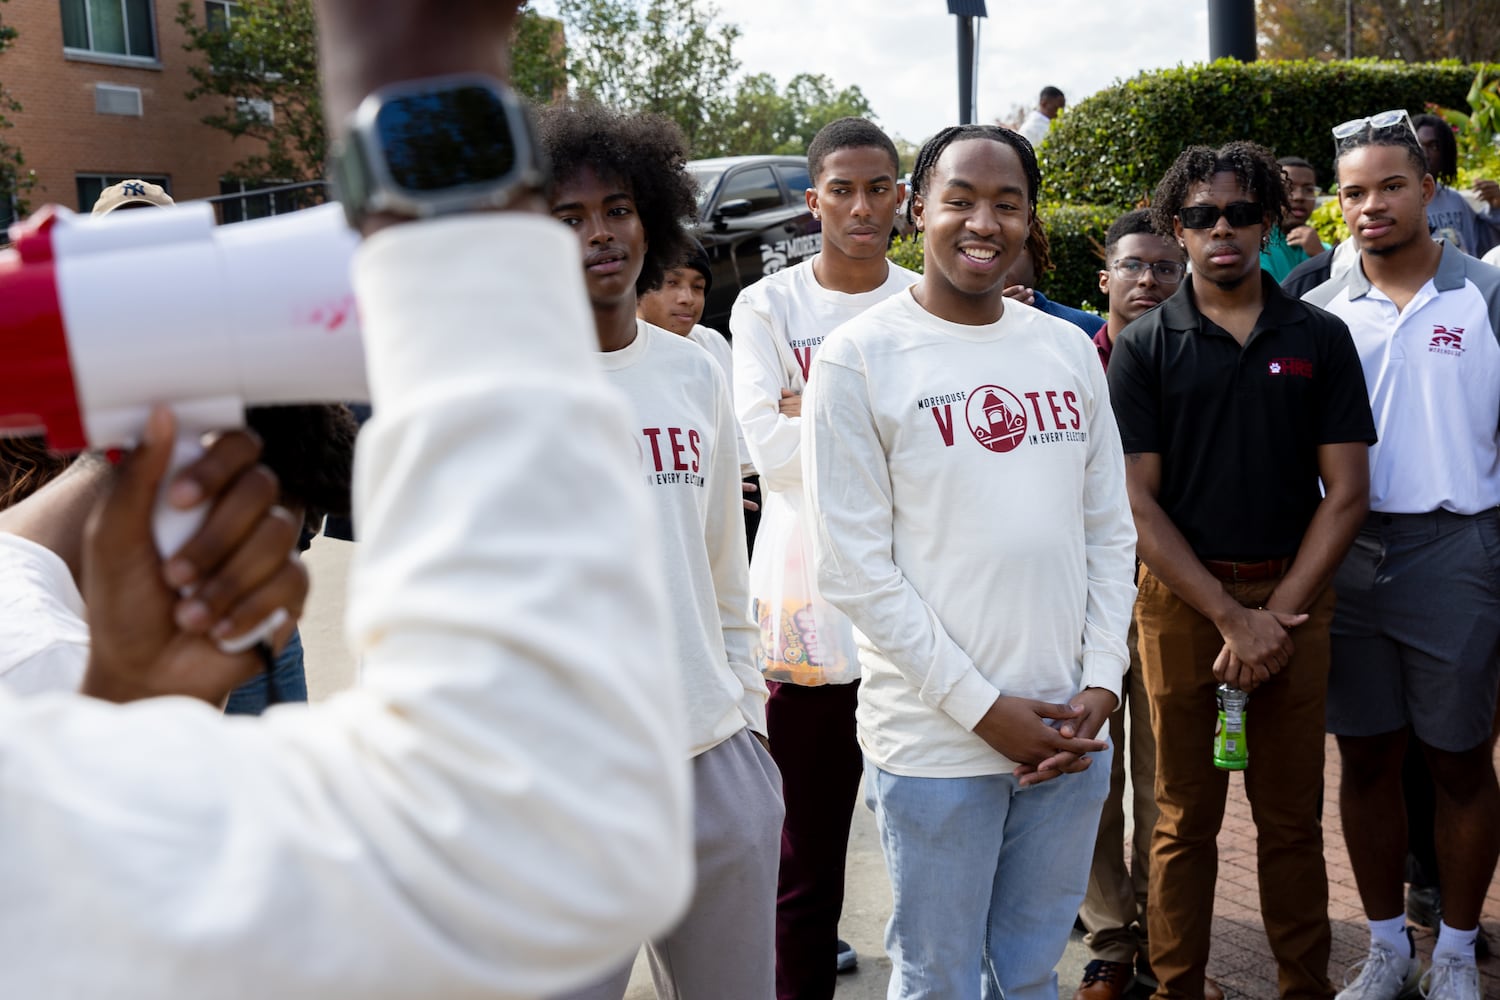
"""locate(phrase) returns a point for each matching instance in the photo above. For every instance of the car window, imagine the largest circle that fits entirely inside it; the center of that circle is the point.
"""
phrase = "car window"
(706, 177)
(757, 184)
(796, 179)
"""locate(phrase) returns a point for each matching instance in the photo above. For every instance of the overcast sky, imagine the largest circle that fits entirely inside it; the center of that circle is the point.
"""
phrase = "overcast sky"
(903, 53)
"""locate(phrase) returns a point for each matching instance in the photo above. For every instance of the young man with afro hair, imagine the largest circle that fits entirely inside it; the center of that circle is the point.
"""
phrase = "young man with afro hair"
(778, 324)
(1234, 401)
(620, 185)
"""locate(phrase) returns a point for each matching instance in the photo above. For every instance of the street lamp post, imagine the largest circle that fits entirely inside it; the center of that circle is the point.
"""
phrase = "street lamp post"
(967, 11)
(1231, 30)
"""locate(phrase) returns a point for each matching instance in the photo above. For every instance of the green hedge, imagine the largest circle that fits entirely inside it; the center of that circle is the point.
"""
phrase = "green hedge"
(1075, 234)
(1113, 147)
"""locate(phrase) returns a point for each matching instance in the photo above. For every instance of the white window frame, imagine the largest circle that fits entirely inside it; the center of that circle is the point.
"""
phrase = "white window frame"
(93, 54)
(229, 8)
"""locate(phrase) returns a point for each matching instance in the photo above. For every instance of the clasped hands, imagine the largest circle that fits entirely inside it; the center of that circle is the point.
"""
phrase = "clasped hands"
(1257, 645)
(1045, 739)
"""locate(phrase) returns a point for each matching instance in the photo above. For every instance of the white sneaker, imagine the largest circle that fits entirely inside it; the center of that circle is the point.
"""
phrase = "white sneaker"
(1383, 975)
(1451, 978)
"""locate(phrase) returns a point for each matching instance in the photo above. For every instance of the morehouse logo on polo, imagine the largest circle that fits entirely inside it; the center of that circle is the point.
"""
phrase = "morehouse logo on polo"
(1447, 340)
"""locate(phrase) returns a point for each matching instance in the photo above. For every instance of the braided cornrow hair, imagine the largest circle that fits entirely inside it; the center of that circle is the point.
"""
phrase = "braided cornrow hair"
(933, 148)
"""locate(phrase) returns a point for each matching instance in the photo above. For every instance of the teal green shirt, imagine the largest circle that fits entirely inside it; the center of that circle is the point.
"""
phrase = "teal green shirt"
(1279, 256)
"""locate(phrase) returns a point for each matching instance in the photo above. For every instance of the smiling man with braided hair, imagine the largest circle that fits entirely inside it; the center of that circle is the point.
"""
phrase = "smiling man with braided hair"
(1234, 400)
(968, 502)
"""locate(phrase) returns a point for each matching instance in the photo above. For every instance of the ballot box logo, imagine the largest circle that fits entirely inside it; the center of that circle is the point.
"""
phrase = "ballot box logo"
(996, 418)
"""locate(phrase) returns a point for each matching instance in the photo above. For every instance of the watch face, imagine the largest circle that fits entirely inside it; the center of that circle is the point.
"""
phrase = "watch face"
(447, 138)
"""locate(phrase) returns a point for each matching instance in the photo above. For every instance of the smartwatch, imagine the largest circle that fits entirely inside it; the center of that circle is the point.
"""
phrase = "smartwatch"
(436, 146)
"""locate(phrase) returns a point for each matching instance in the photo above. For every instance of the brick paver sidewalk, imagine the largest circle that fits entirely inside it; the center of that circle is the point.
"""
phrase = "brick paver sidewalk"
(1241, 961)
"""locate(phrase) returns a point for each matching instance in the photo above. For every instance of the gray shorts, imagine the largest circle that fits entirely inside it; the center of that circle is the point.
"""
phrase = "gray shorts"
(1416, 632)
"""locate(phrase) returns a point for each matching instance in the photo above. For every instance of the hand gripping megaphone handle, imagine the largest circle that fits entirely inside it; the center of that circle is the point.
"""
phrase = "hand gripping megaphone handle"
(173, 526)
(87, 346)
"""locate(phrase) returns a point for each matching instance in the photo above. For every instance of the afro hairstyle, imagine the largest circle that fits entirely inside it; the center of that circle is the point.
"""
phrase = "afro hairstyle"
(647, 153)
(311, 450)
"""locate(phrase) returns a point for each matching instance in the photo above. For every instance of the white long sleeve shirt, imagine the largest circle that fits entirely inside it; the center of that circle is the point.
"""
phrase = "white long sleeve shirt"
(777, 324)
(684, 430)
(969, 511)
(717, 347)
(44, 639)
(501, 808)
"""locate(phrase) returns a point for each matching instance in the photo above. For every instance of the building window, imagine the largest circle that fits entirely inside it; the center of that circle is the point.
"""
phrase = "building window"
(240, 201)
(109, 27)
(90, 186)
(220, 14)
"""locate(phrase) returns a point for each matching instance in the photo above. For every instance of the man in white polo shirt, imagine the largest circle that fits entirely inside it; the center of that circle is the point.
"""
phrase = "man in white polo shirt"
(1416, 634)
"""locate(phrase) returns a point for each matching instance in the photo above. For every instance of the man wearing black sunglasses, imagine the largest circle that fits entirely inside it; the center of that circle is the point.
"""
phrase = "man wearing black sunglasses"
(1233, 400)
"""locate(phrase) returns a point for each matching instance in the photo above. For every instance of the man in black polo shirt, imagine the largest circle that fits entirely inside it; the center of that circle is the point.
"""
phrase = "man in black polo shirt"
(1233, 399)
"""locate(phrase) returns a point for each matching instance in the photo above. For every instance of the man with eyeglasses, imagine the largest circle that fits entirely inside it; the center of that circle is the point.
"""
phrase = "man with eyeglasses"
(1142, 268)
(1416, 640)
(1233, 400)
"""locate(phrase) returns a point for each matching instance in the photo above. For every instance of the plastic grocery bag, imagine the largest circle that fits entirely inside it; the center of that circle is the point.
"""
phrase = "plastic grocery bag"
(803, 639)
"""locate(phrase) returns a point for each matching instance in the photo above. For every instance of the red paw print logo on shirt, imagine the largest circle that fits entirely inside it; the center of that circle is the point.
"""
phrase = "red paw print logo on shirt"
(996, 417)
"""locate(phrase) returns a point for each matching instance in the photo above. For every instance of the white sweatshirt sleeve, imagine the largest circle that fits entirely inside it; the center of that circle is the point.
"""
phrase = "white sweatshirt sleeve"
(500, 809)
(725, 534)
(849, 493)
(1109, 546)
(774, 441)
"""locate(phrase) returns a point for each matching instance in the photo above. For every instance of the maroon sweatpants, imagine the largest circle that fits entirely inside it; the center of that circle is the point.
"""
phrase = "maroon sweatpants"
(813, 743)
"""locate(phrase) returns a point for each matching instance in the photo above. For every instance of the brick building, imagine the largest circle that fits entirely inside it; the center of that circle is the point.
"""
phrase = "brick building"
(102, 85)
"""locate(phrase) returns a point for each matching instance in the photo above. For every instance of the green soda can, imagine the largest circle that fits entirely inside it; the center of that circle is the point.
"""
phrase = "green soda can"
(1231, 752)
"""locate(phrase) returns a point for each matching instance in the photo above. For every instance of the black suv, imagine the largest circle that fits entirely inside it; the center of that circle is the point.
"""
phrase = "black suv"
(755, 222)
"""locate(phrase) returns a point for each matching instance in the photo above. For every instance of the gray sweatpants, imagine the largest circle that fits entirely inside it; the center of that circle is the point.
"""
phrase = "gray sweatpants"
(724, 948)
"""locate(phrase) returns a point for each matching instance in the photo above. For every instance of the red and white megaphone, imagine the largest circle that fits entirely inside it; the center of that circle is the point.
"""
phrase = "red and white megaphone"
(101, 319)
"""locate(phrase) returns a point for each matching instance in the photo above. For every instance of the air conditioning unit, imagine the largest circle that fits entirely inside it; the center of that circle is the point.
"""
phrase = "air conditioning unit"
(110, 99)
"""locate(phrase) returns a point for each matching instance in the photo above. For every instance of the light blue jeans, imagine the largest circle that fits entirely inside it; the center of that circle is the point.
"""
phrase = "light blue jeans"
(987, 878)
(287, 681)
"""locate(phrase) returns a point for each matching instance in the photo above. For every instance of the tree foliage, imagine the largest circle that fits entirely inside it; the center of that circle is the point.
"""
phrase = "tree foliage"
(261, 69)
(15, 179)
(761, 118)
(1409, 30)
(671, 57)
(1113, 147)
(676, 58)
(538, 66)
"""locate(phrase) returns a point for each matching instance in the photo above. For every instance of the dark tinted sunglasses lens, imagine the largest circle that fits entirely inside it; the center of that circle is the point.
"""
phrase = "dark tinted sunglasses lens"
(1242, 213)
(1198, 216)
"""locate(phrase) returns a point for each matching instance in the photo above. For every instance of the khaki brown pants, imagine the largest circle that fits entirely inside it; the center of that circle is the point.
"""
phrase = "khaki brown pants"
(1114, 909)
(1284, 731)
